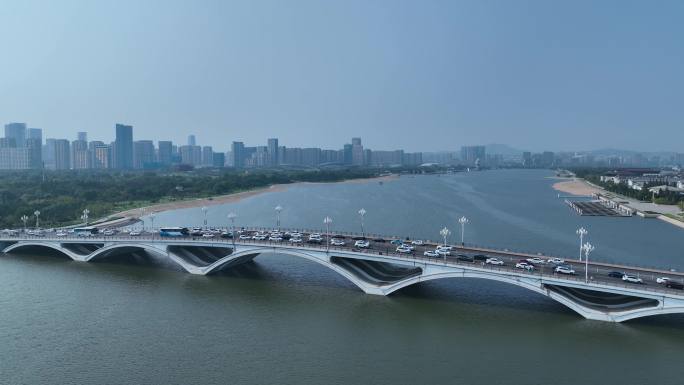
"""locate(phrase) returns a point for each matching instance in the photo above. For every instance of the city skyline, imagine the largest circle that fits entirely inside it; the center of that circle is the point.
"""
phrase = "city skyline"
(407, 75)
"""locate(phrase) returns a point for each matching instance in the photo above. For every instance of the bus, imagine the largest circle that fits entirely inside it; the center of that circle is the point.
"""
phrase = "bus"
(85, 231)
(174, 232)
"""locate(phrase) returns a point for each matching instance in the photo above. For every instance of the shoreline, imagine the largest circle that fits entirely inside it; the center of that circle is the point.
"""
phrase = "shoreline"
(130, 216)
(575, 186)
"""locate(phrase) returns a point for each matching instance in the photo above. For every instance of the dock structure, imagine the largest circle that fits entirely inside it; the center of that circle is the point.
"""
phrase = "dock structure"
(597, 208)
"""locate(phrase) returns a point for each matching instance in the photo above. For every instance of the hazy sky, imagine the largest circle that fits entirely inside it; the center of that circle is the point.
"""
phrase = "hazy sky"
(420, 75)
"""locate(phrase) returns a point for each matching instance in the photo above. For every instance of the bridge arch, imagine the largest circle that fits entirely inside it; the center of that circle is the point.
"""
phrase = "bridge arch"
(50, 245)
(320, 258)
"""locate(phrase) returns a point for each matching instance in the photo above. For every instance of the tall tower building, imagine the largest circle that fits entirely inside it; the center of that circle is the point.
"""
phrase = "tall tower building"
(191, 140)
(83, 136)
(165, 152)
(238, 150)
(273, 152)
(123, 147)
(16, 131)
(36, 133)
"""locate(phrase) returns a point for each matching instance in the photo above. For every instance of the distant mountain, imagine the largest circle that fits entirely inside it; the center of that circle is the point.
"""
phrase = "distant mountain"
(502, 149)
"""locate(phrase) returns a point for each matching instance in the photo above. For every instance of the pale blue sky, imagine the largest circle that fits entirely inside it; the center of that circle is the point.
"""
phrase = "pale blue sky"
(420, 75)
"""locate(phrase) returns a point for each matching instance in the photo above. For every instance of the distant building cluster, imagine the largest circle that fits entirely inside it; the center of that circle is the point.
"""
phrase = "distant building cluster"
(23, 148)
(656, 181)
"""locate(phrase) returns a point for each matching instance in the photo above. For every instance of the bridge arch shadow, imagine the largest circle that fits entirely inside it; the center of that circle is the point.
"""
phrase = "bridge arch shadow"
(39, 248)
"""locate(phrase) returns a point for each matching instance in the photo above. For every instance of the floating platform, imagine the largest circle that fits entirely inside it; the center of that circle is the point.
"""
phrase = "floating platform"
(596, 209)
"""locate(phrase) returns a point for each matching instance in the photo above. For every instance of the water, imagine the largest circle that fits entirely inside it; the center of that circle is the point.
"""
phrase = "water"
(287, 321)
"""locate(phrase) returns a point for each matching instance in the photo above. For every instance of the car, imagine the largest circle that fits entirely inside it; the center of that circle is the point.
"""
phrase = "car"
(245, 237)
(431, 253)
(295, 235)
(358, 238)
(443, 247)
(226, 234)
(555, 261)
(61, 234)
(134, 233)
(480, 257)
(336, 242)
(196, 233)
(674, 285)
(275, 239)
(403, 250)
(417, 242)
(524, 265)
(662, 280)
(408, 246)
(535, 261)
(362, 244)
(259, 237)
(295, 240)
(494, 261)
(632, 279)
(563, 269)
(108, 232)
(465, 258)
(443, 252)
(616, 274)
(397, 242)
(207, 235)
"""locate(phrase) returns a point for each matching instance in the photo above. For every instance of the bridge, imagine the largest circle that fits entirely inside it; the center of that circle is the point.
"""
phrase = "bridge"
(381, 270)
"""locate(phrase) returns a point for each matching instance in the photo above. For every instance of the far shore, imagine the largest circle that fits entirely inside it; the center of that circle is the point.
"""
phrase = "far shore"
(133, 215)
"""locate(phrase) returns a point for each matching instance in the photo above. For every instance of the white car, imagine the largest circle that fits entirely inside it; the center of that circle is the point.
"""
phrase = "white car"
(494, 261)
(555, 261)
(259, 237)
(245, 237)
(134, 233)
(431, 254)
(295, 240)
(442, 247)
(417, 242)
(207, 235)
(632, 279)
(295, 235)
(564, 270)
(662, 280)
(524, 265)
(275, 239)
(535, 261)
(403, 250)
(362, 244)
(407, 246)
(108, 232)
(336, 242)
(443, 252)
(61, 234)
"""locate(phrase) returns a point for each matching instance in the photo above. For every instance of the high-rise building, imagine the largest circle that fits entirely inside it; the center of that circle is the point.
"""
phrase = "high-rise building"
(357, 153)
(311, 156)
(191, 155)
(102, 156)
(82, 135)
(191, 140)
(123, 147)
(238, 150)
(473, 155)
(62, 152)
(16, 131)
(356, 141)
(143, 154)
(207, 156)
(273, 152)
(527, 159)
(80, 156)
(37, 134)
(219, 159)
(165, 152)
(348, 154)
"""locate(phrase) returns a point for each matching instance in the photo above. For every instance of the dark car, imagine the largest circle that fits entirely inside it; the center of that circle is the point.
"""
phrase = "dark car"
(226, 235)
(480, 257)
(465, 258)
(616, 274)
(674, 285)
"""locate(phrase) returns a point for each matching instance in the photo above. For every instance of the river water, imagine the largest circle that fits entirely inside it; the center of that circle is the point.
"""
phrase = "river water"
(287, 321)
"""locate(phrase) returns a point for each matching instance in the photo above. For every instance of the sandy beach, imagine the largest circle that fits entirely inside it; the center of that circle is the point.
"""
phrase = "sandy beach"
(575, 187)
(132, 215)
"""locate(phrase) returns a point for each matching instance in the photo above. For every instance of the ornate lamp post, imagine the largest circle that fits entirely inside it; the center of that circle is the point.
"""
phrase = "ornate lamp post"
(204, 212)
(581, 232)
(232, 217)
(463, 221)
(37, 215)
(445, 233)
(327, 221)
(24, 218)
(85, 217)
(362, 213)
(278, 209)
(588, 248)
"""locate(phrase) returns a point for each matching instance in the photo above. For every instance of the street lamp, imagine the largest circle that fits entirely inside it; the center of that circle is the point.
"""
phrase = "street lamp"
(37, 214)
(204, 211)
(362, 213)
(581, 232)
(232, 217)
(24, 218)
(588, 248)
(85, 217)
(462, 221)
(278, 209)
(445, 233)
(152, 215)
(327, 221)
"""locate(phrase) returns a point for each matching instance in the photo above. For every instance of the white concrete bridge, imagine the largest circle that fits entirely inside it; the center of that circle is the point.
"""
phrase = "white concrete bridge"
(381, 270)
